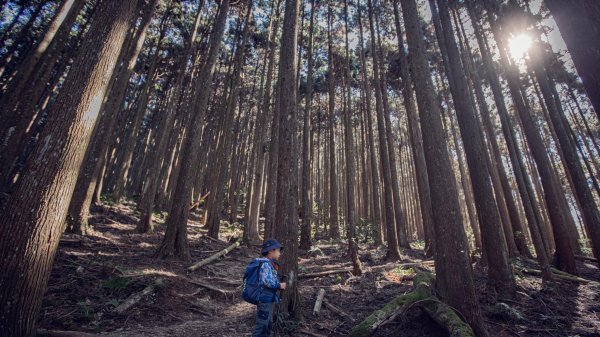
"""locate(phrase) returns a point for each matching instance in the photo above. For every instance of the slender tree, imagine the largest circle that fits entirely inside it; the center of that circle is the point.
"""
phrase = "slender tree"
(175, 241)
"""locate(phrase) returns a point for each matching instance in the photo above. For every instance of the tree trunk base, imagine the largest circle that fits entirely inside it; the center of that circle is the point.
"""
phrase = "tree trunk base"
(422, 297)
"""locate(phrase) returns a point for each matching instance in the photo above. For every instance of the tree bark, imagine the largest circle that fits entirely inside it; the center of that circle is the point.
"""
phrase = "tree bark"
(36, 211)
(287, 170)
(578, 24)
(452, 264)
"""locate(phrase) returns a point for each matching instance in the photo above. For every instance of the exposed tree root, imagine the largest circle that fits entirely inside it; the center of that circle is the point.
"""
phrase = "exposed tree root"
(420, 296)
(558, 274)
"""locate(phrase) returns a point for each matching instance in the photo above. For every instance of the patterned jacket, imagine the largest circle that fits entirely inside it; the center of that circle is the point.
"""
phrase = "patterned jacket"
(267, 277)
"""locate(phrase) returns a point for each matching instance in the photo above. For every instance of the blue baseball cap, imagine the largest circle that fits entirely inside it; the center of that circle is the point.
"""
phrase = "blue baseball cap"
(270, 244)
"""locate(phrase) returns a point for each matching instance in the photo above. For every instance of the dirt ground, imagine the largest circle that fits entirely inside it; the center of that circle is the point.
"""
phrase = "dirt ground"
(94, 274)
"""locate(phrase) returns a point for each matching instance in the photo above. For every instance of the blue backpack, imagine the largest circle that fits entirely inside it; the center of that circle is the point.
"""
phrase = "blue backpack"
(251, 288)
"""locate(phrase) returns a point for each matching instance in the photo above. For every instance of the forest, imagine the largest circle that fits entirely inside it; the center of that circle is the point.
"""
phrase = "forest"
(431, 167)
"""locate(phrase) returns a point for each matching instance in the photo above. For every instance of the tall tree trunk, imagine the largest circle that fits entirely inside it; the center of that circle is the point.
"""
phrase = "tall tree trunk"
(334, 228)
(264, 113)
(399, 213)
(305, 232)
(453, 267)
(36, 210)
(416, 140)
(375, 196)
(393, 252)
(500, 275)
(287, 170)
(351, 219)
(131, 136)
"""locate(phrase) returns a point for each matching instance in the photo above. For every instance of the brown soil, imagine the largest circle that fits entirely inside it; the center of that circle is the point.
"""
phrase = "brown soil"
(93, 274)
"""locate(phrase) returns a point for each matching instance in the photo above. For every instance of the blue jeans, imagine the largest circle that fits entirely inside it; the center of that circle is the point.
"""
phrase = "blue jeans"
(264, 320)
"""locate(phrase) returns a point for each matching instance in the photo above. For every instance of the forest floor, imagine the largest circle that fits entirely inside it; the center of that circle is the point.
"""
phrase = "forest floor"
(94, 274)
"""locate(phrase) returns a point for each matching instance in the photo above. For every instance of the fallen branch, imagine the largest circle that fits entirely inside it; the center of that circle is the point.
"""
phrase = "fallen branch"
(421, 295)
(335, 309)
(326, 272)
(60, 333)
(310, 333)
(213, 257)
(133, 299)
(213, 288)
(586, 258)
(202, 198)
(318, 302)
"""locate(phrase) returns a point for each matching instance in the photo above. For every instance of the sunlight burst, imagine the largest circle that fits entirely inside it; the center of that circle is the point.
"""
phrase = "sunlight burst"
(519, 45)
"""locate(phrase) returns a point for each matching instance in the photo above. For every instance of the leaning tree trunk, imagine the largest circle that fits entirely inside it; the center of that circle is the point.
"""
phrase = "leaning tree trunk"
(552, 193)
(175, 241)
(97, 151)
(589, 208)
(524, 185)
(36, 210)
(580, 27)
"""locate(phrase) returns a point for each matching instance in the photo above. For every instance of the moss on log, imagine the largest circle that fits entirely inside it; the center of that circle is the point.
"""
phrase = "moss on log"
(421, 296)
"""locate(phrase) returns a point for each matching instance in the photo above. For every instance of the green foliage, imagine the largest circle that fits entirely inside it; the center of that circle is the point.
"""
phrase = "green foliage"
(86, 309)
(107, 200)
(114, 302)
(586, 247)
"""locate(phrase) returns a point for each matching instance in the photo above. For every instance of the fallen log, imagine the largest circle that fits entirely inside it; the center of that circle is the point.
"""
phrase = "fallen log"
(133, 299)
(61, 333)
(318, 302)
(367, 269)
(213, 257)
(421, 296)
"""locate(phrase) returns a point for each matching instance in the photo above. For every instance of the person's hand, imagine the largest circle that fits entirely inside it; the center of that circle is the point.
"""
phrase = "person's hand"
(282, 285)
